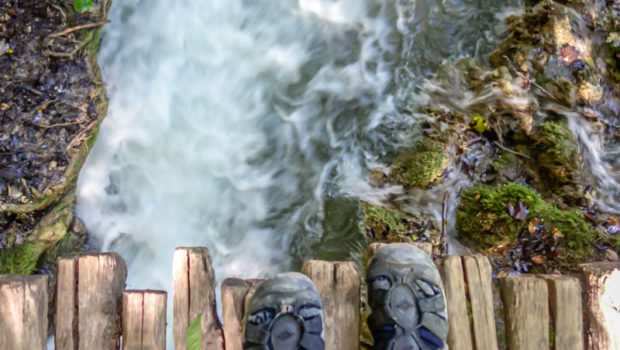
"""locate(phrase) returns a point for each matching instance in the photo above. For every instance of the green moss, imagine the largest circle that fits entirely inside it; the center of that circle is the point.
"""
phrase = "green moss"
(387, 223)
(482, 218)
(21, 259)
(557, 151)
(421, 166)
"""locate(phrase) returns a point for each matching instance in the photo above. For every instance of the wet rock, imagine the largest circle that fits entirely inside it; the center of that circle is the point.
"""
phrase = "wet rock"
(421, 166)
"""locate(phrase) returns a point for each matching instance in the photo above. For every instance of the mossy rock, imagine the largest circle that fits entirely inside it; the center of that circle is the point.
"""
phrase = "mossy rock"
(386, 224)
(421, 166)
(483, 219)
(557, 152)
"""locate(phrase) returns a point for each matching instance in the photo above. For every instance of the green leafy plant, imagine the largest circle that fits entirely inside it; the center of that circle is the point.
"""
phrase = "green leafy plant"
(82, 6)
(193, 336)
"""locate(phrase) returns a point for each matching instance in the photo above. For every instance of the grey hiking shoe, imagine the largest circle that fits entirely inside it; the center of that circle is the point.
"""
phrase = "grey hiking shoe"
(284, 314)
(407, 300)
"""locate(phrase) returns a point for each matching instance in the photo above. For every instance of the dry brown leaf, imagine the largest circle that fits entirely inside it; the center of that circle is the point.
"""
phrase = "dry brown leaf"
(531, 227)
(478, 196)
(538, 259)
(611, 255)
(557, 233)
(613, 221)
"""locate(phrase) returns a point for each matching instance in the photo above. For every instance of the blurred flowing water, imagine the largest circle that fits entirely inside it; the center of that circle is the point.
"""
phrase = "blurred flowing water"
(249, 126)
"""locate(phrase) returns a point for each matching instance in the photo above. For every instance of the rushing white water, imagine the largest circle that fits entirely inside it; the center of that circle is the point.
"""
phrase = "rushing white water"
(249, 126)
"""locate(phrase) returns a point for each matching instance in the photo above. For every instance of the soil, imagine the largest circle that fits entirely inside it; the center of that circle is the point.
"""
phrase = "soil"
(48, 107)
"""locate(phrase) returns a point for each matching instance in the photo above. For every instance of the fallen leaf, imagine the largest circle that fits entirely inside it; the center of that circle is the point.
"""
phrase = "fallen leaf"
(4, 106)
(557, 233)
(531, 227)
(478, 196)
(502, 274)
(538, 259)
(613, 221)
(519, 212)
(611, 255)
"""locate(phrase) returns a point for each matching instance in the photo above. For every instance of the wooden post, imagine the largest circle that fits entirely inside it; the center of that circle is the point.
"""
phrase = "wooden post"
(526, 312)
(233, 307)
(89, 301)
(459, 336)
(194, 295)
(480, 290)
(602, 304)
(144, 320)
(339, 285)
(23, 312)
(565, 302)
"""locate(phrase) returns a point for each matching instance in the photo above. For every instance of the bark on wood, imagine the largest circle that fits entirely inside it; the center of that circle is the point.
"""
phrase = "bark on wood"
(23, 312)
(425, 246)
(233, 306)
(526, 312)
(144, 320)
(602, 304)
(194, 295)
(89, 301)
(339, 285)
(565, 303)
(459, 336)
(480, 290)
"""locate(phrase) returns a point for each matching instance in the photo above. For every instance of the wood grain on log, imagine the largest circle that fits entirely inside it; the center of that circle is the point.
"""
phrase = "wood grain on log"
(526, 312)
(194, 295)
(23, 312)
(459, 336)
(339, 286)
(233, 306)
(144, 320)
(89, 301)
(480, 290)
(602, 304)
(565, 303)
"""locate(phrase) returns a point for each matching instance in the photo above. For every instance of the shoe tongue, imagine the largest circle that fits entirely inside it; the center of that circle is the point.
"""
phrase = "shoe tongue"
(403, 307)
(285, 332)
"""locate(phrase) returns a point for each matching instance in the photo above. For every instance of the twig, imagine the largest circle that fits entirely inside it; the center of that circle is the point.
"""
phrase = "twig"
(528, 79)
(444, 222)
(472, 141)
(509, 150)
(56, 125)
(83, 26)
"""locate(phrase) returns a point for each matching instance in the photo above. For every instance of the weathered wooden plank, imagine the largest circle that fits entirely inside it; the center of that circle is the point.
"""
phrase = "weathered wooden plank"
(65, 303)
(23, 312)
(233, 306)
(144, 320)
(339, 286)
(96, 283)
(602, 304)
(427, 247)
(459, 336)
(194, 294)
(526, 312)
(565, 303)
(479, 286)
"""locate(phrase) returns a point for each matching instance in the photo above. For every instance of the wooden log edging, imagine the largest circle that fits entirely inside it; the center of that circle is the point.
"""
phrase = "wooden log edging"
(23, 312)
(339, 285)
(194, 295)
(602, 304)
(89, 301)
(144, 320)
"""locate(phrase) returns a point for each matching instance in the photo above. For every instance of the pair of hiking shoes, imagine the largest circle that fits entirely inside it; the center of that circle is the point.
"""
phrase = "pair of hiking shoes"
(405, 294)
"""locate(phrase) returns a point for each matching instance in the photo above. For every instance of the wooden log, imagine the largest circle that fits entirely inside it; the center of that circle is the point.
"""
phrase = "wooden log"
(526, 312)
(478, 275)
(144, 320)
(459, 336)
(233, 306)
(194, 295)
(565, 303)
(23, 312)
(427, 247)
(89, 301)
(602, 304)
(339, 286)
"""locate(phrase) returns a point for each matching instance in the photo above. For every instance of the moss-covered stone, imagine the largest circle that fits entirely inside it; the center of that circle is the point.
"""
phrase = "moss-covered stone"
(421, 166)
(483, 218)
(386, 224)
(557, 152)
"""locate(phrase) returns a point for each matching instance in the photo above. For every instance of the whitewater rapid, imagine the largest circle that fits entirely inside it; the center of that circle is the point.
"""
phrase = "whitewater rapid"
(249, 127)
